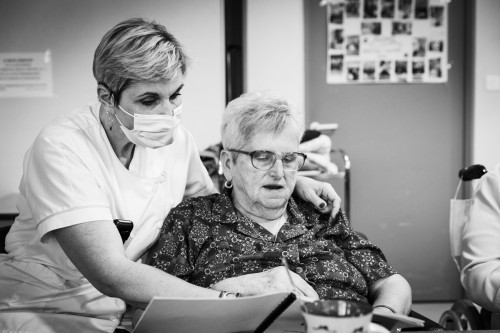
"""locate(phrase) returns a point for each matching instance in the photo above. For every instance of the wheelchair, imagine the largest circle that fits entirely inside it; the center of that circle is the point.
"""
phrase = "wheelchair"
(464, 314)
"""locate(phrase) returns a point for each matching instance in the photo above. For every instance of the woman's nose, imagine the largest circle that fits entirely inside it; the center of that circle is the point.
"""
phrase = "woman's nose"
(169, 107)
(278, 170)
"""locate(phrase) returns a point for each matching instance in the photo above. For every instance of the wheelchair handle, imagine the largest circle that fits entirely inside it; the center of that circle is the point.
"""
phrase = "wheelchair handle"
(475, 171)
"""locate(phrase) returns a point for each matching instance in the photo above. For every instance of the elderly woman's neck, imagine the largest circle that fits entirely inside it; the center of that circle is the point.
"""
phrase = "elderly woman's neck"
(261, 215)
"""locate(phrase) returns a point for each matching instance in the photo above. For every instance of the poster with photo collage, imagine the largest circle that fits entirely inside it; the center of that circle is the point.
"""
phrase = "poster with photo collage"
(387, 41)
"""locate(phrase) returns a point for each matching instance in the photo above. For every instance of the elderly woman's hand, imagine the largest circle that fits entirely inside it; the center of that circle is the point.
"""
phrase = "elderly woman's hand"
(320, 194)
(273, 280)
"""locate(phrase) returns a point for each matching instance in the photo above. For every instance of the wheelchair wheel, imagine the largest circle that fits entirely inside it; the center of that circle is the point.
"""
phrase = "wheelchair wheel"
(462, 316)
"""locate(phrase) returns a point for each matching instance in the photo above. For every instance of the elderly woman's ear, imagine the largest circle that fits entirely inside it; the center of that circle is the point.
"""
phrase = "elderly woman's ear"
(227, 164)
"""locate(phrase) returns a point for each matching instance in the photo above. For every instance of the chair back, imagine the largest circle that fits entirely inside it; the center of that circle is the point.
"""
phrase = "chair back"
(459, 211)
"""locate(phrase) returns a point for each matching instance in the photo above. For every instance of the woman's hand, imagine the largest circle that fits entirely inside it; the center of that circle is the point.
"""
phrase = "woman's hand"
(320, 194)
(273, 280)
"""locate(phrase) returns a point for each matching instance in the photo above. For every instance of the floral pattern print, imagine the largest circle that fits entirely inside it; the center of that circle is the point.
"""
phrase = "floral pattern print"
(205, 240)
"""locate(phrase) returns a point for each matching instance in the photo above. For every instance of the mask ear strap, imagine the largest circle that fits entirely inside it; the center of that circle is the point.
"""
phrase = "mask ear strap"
(116, 116)
(125, 111)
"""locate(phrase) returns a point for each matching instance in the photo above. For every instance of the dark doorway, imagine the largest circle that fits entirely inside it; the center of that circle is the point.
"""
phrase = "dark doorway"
(233, 15)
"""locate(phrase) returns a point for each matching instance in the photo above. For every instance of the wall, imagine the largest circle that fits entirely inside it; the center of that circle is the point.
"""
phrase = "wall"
(274, 54)
(72, 30)
(486, 113)
(406, 147)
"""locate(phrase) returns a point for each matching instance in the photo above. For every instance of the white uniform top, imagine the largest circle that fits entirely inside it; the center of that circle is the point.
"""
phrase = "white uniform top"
(481, 244)
(72, 175)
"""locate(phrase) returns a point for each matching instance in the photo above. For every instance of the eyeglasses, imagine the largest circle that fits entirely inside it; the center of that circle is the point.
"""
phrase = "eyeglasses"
(265, 160)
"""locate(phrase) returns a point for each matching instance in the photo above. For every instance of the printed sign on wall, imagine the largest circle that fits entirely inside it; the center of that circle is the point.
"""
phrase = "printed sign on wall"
(25, 75)
(386, 41)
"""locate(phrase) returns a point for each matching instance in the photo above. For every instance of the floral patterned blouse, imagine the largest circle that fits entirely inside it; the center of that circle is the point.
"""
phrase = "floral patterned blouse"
(205, 240)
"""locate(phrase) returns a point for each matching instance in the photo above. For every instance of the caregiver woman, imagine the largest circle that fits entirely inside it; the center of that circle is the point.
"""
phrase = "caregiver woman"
(124, 157)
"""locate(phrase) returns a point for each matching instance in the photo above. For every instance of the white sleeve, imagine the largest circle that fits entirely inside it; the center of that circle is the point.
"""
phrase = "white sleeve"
(59, 188)
(480, 274)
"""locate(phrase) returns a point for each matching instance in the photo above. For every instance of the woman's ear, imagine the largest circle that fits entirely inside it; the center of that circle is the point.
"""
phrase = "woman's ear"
(105, 96)
(227, 164)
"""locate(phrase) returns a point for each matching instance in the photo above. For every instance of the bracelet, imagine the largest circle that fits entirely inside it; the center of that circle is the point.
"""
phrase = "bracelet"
(384, 306)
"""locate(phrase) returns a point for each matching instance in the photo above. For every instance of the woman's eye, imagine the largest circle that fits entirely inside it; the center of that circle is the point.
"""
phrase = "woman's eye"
(148, 102)
(289, 158)
(263, 157)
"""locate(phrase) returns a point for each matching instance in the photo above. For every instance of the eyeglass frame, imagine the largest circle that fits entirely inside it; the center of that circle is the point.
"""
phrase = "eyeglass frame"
(276, 156)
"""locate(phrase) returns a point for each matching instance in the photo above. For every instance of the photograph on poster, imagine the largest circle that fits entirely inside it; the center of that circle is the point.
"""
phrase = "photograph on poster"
(352, 71)
(370, 9)
(418, 70)
(404, 9)
(418, 47)
(352, 45)
(384, 70)
(421, 9)
(387, 10)
(337, 13)
(401, 70)
(386, 41)
(337, 39)
(352, 9)
(369, 71)
(435, 67)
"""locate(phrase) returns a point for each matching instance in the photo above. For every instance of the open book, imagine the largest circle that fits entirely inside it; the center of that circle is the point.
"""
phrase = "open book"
(245, 314)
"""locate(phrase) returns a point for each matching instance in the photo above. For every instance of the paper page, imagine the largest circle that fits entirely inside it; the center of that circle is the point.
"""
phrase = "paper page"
(207, 315)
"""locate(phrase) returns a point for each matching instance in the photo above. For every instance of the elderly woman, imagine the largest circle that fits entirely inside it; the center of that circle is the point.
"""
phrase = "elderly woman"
(124, 157)
(256, 221)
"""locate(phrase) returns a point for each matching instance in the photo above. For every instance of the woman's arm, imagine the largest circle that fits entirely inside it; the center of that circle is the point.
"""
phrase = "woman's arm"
(394, 292)
(96, 249)
(320, 194)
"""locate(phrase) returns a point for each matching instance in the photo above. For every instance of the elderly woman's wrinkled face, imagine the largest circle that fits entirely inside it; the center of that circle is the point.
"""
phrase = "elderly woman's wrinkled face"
(264, 192)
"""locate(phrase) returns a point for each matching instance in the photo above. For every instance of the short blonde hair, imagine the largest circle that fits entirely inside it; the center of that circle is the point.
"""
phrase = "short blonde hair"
(255, 112)
(136, 50)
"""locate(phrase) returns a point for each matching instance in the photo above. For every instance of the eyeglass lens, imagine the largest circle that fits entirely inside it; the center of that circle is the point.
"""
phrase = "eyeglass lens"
(265, 160)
